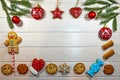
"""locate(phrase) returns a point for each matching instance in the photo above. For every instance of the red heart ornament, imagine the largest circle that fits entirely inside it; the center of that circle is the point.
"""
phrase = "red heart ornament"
(75, 12)
(38, 64)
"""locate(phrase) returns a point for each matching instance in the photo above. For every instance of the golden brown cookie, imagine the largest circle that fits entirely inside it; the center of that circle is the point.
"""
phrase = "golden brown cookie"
(79, 68)
(22, 68)
(51, 68)
(6, 69)
(108, 54)
(108, 69)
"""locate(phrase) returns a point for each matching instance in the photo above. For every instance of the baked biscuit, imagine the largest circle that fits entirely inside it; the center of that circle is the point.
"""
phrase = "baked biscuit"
(108, 54)
(51, 68)
(79, 68)
(22, 68)
(108, 69)
(6, 69)
(107, 45)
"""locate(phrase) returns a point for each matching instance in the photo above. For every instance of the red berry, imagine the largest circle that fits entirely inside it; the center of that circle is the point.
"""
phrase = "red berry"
(92, 14)
(16, 19)
(105, 33)
(38, 12)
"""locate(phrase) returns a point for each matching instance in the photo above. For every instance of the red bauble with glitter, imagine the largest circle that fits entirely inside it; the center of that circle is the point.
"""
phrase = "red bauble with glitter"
(105, 33)
(91, 14)
(16, 19)
(38, 12)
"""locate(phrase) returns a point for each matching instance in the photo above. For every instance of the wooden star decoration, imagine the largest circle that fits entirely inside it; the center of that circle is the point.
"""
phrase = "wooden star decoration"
(57, 13)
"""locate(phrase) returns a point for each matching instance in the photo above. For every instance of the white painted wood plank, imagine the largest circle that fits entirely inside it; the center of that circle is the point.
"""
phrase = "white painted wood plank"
(63, 78)
(66, 54)
(50, 25)
(61, 39)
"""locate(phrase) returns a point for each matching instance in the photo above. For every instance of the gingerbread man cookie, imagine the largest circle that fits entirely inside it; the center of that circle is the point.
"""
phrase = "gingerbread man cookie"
(13, 41)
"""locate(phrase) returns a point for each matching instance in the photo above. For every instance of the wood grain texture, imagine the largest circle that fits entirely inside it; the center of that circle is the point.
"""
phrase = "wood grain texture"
(59, 41)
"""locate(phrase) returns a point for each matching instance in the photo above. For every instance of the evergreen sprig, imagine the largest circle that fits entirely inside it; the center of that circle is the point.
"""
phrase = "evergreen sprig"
(17, 7)
(107, 11)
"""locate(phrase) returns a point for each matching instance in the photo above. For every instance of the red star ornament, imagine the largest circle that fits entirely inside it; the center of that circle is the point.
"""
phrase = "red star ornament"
(57, 13)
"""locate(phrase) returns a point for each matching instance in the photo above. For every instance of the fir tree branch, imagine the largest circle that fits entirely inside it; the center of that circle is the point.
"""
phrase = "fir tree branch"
(103, 2)
(25, 3)
(112, 9)
(105, 21)
(4, 6)
(92, 8)
(107, 15)
(113, 1)
(98, 14)
(89, 2)
(114, 24)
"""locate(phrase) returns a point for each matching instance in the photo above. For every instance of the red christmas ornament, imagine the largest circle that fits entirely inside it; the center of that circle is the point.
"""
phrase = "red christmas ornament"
(75, 12)
(105, 33)
(57, 13)
(92, 14)
(38, 12)
(16, 19)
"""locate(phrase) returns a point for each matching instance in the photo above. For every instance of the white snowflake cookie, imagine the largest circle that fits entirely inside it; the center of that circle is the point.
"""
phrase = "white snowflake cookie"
(64, 68)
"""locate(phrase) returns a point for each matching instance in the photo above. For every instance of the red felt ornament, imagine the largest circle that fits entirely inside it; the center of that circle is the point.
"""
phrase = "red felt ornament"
(16, 19)
(38, 12)
(57, 13)
(105, 33)
(91, 14)
(75, 11)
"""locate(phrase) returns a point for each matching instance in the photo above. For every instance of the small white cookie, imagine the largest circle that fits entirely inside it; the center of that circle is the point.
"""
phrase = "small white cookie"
(64, 68)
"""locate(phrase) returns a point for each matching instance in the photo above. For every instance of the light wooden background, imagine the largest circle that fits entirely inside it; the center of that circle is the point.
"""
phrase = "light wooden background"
(59, 41)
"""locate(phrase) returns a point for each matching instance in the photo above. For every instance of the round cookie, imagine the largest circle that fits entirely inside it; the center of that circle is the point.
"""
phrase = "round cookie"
(6, 69)
(22, 68)
(79, 68)
(108, 69)
(51, 68)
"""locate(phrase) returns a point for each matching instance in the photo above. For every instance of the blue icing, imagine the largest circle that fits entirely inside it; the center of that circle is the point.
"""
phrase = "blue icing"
(95, 67)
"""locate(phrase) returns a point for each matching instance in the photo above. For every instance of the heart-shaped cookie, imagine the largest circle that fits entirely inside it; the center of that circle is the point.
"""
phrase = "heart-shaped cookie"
(38, 64)
(75, 11)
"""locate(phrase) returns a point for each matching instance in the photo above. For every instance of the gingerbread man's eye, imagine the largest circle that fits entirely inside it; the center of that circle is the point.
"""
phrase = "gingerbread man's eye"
(9, 34)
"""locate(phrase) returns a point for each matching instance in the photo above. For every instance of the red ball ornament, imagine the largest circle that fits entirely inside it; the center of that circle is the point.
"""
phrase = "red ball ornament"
(105, 33)
(91, 14)
(38, 12)
(16, 19)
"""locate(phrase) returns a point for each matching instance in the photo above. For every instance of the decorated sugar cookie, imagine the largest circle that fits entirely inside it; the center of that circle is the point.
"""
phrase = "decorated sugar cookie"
(64, 68)
(12, 42)
(37, 66)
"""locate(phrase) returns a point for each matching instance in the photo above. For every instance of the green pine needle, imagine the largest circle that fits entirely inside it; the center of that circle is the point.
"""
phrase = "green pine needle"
(103, 2)
(92, 8)
(107, 15)
(105, 21)
(25, 3)
(113, 1)
(114, 24)
(98, 14)
(112, 9)
(89, 2)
